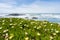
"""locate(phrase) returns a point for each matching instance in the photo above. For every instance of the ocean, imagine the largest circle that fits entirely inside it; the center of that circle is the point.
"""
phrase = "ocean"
(51, 17)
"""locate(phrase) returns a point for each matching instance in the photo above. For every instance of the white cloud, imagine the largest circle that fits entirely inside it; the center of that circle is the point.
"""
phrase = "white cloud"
(10, 2)
(32, 8)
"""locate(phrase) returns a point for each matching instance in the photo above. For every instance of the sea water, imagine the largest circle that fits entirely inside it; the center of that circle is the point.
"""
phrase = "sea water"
(51, 17)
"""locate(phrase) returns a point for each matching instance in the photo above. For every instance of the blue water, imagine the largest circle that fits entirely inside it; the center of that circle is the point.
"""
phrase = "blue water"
(48, 18)
(52, 17)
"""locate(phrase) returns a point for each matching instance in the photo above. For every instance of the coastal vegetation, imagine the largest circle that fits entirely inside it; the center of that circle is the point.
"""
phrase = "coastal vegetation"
(26, 29)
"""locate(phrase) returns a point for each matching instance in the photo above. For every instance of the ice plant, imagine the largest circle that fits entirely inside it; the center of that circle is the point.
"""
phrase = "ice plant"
(26, 29)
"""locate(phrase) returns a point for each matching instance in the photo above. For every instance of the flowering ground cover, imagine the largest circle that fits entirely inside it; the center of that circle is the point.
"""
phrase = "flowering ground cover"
(25, 29)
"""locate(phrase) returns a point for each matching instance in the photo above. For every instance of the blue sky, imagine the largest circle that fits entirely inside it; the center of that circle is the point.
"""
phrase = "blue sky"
(29, 6)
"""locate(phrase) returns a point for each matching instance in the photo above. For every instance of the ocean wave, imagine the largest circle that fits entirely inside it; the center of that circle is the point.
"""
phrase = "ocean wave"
(49, 16)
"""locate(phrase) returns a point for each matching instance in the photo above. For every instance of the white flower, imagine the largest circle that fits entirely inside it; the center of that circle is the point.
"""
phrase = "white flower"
(20, 23)
(26, 38)
(21, 27)
(32, 22)
(12, 27)
(5, 30)
(26, 33)
(45, 30)
(51, 37)
(52, 29)
(34, 26)
(15, 24)
(57, 31)
(51, 24)
(45, 25)
(10, 19)
(0, 27)
(11, 24)
(54, 33)
(39, 27)
(25, 25)
(45, 22)
(3, 20)
(59, 25)
(6, 36)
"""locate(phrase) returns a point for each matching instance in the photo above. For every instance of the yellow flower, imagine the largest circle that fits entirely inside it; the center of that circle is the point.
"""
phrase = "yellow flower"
(3, 23)
(0, 27)
(11, 36)
(38, 34)
(26, 38)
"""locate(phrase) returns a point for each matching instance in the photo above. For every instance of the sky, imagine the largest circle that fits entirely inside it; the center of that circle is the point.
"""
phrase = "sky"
(29, 6)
